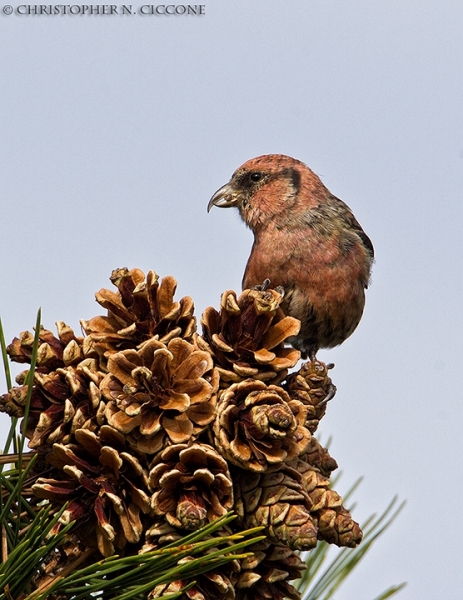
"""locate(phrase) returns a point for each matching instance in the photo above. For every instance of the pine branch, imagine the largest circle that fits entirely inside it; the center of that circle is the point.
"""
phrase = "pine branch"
(143, 430)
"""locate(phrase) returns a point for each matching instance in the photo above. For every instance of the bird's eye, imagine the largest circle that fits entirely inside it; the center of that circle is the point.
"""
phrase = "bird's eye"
(256, 177)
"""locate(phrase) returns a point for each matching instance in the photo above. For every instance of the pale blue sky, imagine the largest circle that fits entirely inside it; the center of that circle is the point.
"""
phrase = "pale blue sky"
(117, 130)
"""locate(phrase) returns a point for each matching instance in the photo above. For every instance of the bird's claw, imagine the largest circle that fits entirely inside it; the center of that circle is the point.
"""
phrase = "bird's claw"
(330, 395)
(262, 287)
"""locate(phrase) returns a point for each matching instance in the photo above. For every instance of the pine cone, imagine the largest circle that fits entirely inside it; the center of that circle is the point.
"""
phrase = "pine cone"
(319, 457)
(142, 308)
(119, 419)
(70, 555)
(191, 484)
(215, 584)
(278, 501)
(53, 352)
(62, 401)
(267, 574)
(159, 534)
(246, 338)
(336, 526)
(259, 425)
(209, 586)
(65, 394)
(312, 386)
(160, 395)
(334, 522)
(106, 488)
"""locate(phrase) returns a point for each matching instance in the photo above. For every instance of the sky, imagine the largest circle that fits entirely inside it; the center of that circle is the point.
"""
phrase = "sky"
(116, 130)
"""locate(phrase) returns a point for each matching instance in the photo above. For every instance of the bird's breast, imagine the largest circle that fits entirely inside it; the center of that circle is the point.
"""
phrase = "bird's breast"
(300, 256)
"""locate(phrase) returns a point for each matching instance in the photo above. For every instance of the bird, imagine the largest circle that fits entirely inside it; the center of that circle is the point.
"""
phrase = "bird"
(306, 241)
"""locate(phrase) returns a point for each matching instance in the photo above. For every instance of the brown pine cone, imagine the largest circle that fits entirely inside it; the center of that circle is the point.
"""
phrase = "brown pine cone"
(141, 308)
(312, 386)
(53, 352)
(334, 522)
(160, 394)
(120, 418)
(191, 485)
(105, 485)
(65, 394)
(62, 401)
(215, 584)
(277, 500)
(72, 554)
(319, 457)
(212, 585)
(247, 336)
(258, 425)
(336, 526)
(266, 575)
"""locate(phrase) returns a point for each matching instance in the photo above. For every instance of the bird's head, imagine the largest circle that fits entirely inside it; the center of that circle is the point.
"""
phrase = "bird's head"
(266, 189)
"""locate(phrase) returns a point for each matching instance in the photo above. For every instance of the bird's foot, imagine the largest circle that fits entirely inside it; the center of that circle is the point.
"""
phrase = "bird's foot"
(330, 395)
(262, 287)
(265, 285)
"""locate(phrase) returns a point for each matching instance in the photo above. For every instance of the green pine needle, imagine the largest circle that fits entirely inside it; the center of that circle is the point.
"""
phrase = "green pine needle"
(391, 591)
(127, 578)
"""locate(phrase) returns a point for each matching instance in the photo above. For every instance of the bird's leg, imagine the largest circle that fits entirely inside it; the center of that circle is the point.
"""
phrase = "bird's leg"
(313, 354)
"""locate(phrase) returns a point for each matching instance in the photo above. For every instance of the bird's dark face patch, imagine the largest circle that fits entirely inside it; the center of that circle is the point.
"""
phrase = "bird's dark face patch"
(249, 181)
(296, 179)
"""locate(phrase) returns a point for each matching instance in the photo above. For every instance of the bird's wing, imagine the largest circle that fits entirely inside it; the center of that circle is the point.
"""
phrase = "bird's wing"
(362, 235)
(345, 213)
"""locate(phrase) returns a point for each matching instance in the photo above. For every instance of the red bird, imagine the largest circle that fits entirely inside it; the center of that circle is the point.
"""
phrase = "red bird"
(305, 240)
